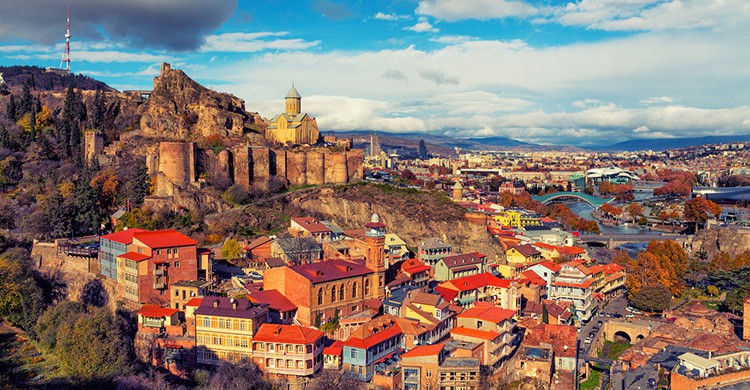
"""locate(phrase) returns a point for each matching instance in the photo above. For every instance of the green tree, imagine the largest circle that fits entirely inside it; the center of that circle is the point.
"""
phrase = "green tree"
(11, 109)
(652, 298)
(231, 250)
(137, 218)
(64, 315)
(238, 376)
(545, 314)
(94, 348)
(139, 186)
(712, 290)
(21, 299)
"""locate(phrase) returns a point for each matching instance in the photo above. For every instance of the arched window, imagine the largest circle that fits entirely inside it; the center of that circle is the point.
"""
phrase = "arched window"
(333, 294)
(367, 286)
(354, 290)
(341, 292)
(320, 296)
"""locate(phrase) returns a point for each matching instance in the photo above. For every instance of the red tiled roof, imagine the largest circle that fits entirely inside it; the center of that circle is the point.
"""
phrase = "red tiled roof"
(479, 334)
(274, 299)
(526, 250)
(334, 349)
(292, 334)
(135, 256)
(446, 293)
(424, 350)
(164, 239)
(123, 237)
(492, 313)
(571, 250)
(463, 259)
(550, 265)
(225, 308)
(473, 282)
(585, 284)
(413, 266)
(257, 242)
(533, 278)
(374, 339)
(375, 225)
(194, 302)
(328, 270)
(311, 225)
(156, 311)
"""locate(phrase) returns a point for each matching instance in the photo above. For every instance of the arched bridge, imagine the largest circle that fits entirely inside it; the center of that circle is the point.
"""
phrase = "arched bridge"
(591, 200)
(630, 331)
(614, 240)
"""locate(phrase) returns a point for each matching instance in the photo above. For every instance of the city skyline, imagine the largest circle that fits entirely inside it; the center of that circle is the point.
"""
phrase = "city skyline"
(584, 73)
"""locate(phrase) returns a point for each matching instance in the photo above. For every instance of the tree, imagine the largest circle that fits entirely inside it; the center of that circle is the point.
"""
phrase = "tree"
(673, 262)
(712, 290)
(231, 250)
(139, 186)
(21, 299)
(106, 186)
(11, 109)
(94, 348)
(245, 375)
(64, 315)
(635, 210)
(699, 210)
(94, 294)
(336, 380)
(137, 218)
(652, 298)
(545, 314)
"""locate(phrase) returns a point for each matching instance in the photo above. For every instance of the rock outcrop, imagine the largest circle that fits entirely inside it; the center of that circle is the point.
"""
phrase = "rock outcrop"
(181, 109)
(708, 243)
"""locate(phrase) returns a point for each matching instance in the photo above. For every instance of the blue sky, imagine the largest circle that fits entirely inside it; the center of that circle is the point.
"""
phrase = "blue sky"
(586, 72)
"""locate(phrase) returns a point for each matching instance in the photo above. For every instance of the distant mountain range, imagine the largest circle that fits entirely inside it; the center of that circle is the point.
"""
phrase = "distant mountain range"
(659, 144)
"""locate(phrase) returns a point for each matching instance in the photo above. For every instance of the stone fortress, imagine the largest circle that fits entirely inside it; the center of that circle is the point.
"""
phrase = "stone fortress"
(181, 115)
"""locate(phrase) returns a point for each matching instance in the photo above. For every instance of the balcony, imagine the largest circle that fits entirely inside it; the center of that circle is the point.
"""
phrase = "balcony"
(160, 272)
(159, 286)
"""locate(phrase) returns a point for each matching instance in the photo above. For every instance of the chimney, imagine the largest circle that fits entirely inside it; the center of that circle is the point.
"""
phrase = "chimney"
(216, 303)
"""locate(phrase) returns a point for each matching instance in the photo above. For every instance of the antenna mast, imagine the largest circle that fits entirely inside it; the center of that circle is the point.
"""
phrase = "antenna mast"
(66, 54)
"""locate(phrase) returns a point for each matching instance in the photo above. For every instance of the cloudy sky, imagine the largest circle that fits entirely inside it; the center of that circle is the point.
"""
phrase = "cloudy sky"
(584, 72)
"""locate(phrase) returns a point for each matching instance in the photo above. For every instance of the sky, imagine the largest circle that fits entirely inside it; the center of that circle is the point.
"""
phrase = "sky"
(583, 72)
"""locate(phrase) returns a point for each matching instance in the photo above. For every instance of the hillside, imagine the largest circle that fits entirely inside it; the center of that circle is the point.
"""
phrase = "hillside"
(660, 144)
(39, 80)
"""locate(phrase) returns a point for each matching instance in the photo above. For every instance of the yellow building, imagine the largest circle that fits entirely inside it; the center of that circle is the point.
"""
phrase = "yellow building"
(293, 126)
(224, 329)
(516, 219)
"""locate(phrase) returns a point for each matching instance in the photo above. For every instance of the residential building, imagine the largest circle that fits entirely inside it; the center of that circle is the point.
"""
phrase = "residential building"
(432, 250)
(154, 261)
(492, 326)
(522, 254)
(395, 247)
(288, 350)
(547, 353)
(484, 287)
(418, 272)
(546, 270)
(309, 227)
(429, 367)
(456, 266)
(181, 292)
(430, 311)
(574, 284)
(332, 359)
(280, 309)
(512, 188)
(155, 319)
(725, 371)
(296, 250)
(322, 290)
(225, 327)
(373, 341)
(609, 278)
(111, 246)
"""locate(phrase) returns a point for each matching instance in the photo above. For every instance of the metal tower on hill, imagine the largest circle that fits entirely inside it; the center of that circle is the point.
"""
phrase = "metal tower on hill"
(66, 54)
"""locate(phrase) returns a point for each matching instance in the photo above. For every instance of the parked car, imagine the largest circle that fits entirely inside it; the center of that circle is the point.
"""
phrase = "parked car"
(599, 323)
(595, 329)
(629, 315)
(254, 275)
(587, 341)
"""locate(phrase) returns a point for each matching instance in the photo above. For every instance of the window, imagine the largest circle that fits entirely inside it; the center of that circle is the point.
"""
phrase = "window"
(281, 363)
(174, 251)
(428, 373)
(176, 264)
(158, 252)
(300, 349)
(206, 322)
(341, 292)
(353, 353)
(320, 296)
(367, 287)
(354, 290)
(290, 348)
(271, 347)
(272, 363)
(299, 364)
(333, 294)
(177, 293)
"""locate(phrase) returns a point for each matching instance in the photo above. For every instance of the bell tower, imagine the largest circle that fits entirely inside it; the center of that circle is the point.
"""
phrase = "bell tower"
(375, 260)
(293, 104)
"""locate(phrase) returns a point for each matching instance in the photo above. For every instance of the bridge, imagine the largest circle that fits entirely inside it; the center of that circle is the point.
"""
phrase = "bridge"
(629, 330)
(614, 240)
(591, 200)
(141, 94)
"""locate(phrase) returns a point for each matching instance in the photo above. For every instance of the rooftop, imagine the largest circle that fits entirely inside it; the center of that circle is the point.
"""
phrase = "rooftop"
(328, 270)
(293, 334)
(229, 307)
(123, 237)
(156, 311)
(163, 239)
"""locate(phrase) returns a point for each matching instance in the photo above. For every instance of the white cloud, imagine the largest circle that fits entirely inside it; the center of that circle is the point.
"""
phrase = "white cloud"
(252, 42)
(422, 26)
(586, 103)
(657, 100)
(389, 17)
(454, 10)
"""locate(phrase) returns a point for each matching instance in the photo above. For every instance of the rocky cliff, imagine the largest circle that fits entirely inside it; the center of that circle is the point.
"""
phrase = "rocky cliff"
(414, 216)
(181, 109)
(708, 243)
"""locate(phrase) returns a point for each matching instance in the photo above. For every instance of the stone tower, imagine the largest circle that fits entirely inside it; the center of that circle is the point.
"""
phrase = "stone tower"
(375, 243)
(458, 191)
(746, 319)
(293, 102)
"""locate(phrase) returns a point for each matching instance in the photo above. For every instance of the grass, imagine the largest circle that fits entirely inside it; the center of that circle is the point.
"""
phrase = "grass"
(713, 305)
(593, 381)
(614, 349)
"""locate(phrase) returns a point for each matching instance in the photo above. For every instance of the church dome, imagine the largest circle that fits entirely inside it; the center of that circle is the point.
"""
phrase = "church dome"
(293, 93)
(375, 218)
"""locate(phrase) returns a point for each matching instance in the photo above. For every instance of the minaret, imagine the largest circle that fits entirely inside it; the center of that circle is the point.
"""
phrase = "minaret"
(458, 191)
(66, 54)
(293, 102)
(375, 260)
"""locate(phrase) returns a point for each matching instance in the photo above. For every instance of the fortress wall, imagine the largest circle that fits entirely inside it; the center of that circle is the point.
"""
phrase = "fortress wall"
(223, 171)
(354, 160)
(261, 166)
(242, 166)
(177, 162)
(315, 168)
(296, 168)
(278, 160)
(93, 145)
(336, 168)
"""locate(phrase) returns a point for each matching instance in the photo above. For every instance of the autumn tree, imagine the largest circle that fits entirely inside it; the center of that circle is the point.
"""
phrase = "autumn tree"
(245, 375)
(232, 250)
(106, 186)
(673, 262)
(699, 210)
(635, 210)
(21, 299)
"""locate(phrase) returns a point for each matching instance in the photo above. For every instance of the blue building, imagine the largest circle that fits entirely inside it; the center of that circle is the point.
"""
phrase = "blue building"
(374, 346)
(111, 246)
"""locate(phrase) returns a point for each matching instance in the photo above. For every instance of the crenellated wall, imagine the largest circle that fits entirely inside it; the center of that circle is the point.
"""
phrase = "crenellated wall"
(181, 164)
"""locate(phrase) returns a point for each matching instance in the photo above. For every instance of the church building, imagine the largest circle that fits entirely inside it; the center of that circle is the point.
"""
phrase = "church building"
(293, 126)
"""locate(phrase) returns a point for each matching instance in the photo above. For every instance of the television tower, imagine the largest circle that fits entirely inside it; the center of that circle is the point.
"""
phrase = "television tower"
(66, 54)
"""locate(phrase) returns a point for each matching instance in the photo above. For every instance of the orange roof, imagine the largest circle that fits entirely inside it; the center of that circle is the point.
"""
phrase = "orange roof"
(123, 237)
(585, 284)
(292, 334)
(570, 250)
(194, 302)
(163, 238)
(274, 299)
(533, 278)
(550, 265)
(490, 313)
(156, 311)
(135, 256)
(374, 339)
(311, 225)
(424, 350)
(473, 282)
(334, 349)
(413, 266)
(479, 334)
